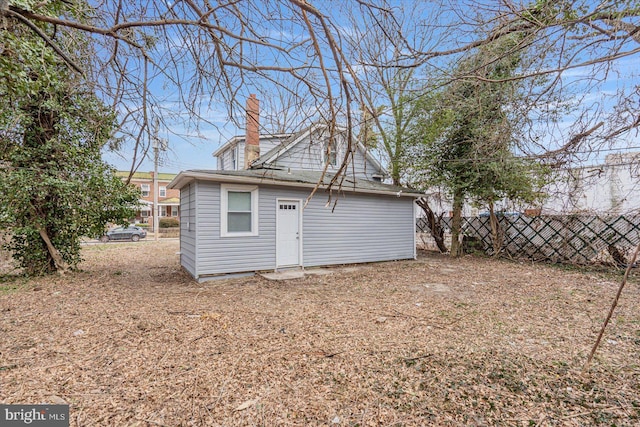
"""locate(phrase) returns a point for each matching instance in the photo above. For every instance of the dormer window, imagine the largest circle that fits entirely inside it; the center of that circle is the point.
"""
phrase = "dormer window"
(330, 153)
(234, 158)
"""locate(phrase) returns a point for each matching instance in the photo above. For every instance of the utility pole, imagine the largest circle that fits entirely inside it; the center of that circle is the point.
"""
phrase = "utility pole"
(158, 144)
(156, 208)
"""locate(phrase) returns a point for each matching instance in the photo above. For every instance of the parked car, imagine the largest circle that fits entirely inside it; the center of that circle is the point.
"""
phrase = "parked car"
(132, 232)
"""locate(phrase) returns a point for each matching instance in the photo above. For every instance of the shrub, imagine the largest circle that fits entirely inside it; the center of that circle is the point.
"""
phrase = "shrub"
(168, 222)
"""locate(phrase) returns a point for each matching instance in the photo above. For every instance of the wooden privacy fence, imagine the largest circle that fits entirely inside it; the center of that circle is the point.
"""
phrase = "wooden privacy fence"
(574, 239)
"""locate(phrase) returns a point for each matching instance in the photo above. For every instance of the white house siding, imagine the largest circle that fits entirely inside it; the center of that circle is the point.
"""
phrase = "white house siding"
(612, 188)
(188, 228)
(362, 228)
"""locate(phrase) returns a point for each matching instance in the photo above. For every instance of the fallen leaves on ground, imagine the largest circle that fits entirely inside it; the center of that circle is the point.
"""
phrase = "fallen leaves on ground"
(435, 341)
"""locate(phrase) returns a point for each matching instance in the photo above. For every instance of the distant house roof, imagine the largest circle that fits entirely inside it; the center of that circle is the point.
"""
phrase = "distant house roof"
(146, 175)
(294, 178)
(170, 201)
(283, 147)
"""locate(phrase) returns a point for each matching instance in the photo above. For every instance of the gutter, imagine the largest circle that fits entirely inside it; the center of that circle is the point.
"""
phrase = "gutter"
(184, 178)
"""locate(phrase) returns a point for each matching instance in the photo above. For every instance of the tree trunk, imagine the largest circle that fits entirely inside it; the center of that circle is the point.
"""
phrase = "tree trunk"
(456, 224)
(61, 266)
(395, 172)
(435, 227)
(496, 232)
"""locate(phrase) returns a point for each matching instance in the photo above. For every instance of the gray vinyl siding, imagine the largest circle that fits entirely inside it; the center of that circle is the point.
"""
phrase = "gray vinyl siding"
(188, 228)
(362, 228)
(267, 144)
(225, 159)
(364, 167)
(308, 154)
(305, 155)
(216, 254)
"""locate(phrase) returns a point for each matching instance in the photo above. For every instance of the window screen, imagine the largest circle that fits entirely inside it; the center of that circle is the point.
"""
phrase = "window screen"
(239, 211)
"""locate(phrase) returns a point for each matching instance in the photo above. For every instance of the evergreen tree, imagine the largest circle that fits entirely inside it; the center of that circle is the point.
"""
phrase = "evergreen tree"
(54, 186)
(464, 140)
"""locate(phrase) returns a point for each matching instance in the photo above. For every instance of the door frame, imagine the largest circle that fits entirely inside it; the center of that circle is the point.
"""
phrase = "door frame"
(300, 236)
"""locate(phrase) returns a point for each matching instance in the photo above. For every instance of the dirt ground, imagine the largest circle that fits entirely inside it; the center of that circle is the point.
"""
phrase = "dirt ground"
(133, 341)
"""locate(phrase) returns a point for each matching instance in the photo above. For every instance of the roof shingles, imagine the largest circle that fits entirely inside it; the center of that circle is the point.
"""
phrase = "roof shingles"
(292, 178)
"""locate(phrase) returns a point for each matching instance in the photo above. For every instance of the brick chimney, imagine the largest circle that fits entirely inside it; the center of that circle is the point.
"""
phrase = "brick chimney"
(252, 142)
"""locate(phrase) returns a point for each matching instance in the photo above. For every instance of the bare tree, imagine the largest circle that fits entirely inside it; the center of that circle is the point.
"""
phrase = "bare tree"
(285, 108)
(378, 47)
(151, 56)
(577, 48)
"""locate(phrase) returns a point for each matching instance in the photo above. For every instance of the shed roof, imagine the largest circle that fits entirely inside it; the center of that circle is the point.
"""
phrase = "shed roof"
(297, 178)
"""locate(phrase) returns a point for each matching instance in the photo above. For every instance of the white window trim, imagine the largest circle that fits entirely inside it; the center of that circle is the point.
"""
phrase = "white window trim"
(325, 157)
(145, 188)
(163, 189)
(234, 158)
(224, 200)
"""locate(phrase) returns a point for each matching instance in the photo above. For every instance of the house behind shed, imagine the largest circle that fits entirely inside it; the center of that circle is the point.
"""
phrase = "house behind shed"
(255, 213)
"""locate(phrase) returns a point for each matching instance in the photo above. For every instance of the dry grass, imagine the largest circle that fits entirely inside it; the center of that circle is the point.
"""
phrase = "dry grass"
(132, 340)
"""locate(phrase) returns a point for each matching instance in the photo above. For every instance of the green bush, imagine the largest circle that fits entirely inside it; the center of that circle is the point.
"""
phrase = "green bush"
(168, 222)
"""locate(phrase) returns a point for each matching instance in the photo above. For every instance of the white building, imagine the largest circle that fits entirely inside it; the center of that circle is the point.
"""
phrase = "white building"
(611, 188)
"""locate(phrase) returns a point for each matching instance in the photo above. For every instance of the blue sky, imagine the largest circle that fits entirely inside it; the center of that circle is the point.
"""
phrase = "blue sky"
(191, 149)
(184, 152)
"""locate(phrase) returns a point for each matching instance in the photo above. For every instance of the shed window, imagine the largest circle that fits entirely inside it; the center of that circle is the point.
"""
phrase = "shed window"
(239, 210)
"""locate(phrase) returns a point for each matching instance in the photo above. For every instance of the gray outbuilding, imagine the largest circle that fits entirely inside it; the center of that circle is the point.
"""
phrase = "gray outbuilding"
(244, 221)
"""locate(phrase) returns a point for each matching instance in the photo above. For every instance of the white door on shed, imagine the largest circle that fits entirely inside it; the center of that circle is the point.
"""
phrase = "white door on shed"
(288, 233)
